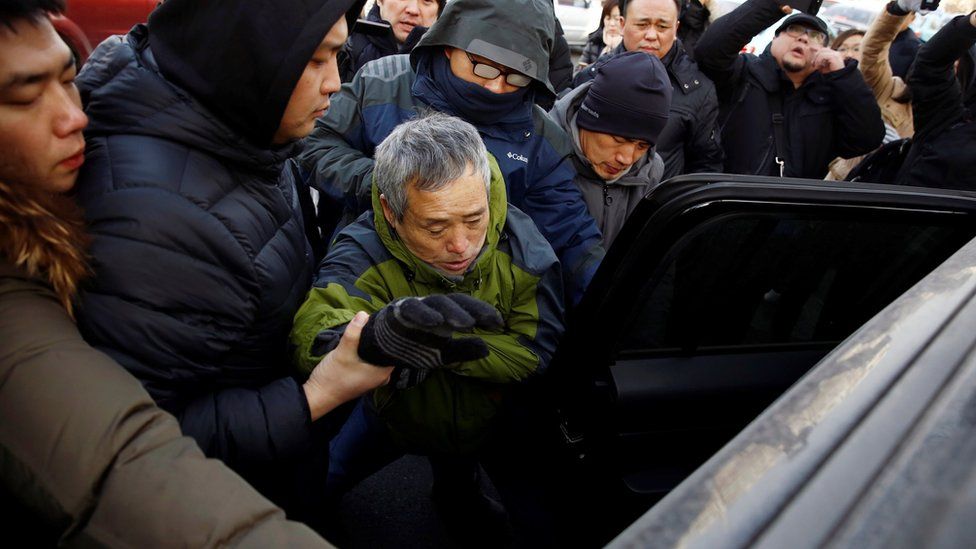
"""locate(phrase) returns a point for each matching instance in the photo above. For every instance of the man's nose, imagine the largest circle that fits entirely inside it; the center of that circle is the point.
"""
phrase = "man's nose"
(331, 83)
(497, 84)
(457, 242)
(627, 154)
(413, 8)
(69, 118)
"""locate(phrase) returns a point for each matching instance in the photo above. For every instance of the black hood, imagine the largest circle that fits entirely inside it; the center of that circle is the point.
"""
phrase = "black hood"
(241, 59)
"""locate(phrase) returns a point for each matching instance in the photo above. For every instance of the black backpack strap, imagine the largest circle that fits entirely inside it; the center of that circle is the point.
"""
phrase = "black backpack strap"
(779, 131)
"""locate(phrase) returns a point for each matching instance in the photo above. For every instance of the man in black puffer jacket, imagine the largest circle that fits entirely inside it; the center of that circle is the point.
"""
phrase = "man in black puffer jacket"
(825, 108)
(689, 142)
(200, 253)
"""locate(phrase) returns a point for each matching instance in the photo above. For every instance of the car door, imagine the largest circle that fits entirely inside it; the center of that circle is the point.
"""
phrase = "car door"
(720, 293)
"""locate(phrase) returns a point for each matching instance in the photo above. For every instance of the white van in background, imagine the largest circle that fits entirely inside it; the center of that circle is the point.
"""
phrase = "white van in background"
(579, 18)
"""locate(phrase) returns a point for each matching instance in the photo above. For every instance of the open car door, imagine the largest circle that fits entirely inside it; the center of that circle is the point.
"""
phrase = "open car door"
(720, 293)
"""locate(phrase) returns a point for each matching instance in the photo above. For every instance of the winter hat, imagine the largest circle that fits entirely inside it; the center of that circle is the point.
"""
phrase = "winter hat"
(629, 97)
(805, 20)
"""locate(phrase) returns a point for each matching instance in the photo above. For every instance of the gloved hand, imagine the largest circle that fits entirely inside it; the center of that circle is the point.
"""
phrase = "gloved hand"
(920, 6)
(415, 332)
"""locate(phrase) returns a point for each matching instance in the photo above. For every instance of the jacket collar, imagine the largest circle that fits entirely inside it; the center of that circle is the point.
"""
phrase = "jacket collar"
(42, 237)
(682, 70)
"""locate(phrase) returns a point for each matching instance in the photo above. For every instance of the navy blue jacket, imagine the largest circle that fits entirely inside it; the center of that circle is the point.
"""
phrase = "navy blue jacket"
(200, 256)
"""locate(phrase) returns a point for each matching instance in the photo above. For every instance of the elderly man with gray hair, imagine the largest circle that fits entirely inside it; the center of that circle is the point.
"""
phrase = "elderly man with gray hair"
(439, 253)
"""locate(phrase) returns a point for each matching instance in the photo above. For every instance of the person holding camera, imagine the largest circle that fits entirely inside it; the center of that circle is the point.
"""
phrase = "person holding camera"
(792, 109)
(943, 84)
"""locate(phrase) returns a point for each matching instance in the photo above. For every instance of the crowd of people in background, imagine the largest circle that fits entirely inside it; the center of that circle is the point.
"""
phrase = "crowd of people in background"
(307, 248)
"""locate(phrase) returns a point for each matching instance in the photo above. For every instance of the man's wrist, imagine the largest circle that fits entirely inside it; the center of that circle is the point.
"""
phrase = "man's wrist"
(320, 401)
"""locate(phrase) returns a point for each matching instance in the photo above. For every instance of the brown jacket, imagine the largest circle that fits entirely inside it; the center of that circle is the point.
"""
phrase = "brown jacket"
(86, 457)
(877, 73)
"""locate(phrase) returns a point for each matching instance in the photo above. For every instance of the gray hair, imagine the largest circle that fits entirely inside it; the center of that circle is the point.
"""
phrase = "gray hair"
(429, 152)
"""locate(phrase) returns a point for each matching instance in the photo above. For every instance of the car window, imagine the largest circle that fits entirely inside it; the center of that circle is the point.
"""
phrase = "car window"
(760, 279)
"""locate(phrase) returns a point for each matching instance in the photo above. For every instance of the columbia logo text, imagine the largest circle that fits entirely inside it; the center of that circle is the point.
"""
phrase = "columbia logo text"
(592, 112)
(516, 156)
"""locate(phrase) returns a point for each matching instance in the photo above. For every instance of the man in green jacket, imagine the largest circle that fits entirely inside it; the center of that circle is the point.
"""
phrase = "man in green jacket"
(440, 224)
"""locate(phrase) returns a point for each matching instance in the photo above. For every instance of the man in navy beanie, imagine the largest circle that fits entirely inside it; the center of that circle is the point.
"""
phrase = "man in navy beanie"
(689, 143)
(615, 121)
(199, 249)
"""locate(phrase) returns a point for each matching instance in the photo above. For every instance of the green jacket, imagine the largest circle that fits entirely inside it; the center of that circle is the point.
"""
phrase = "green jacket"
(517, 272)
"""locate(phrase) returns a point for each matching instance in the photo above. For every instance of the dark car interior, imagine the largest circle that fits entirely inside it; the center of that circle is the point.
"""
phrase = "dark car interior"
(716, 298)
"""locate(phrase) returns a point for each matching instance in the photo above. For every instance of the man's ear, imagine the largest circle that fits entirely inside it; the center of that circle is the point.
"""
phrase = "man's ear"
(387, 211)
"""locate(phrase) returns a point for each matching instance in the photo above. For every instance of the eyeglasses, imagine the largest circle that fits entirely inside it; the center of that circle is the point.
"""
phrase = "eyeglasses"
(797, 30)
(490, 72)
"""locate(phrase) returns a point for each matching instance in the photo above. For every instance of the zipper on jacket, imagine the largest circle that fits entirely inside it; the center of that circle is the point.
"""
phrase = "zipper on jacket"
(607, 199)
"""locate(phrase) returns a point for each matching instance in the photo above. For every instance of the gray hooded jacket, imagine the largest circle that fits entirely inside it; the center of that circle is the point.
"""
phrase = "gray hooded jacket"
(610, 203)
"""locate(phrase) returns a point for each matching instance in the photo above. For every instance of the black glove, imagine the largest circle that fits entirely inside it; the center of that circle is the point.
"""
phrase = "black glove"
(415, 332)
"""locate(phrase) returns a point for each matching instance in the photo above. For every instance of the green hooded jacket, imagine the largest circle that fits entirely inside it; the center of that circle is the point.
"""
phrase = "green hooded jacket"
(517, 272)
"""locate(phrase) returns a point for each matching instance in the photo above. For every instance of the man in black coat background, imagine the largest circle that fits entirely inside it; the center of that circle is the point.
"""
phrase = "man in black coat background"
(796, 107)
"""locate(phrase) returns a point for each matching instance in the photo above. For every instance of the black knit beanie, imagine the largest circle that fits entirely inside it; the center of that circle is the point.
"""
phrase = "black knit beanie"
(630, 97)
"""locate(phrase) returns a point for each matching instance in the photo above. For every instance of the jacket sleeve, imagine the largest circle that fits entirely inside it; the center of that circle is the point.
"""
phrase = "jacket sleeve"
(346, 285)
(717, 52)
(560, 63)
(177, 341)
(96, 460)
(532, 328)
(874, 63)
(937, 98)
(858, 128)
(556, 205)
(704, 152)
(337, 155)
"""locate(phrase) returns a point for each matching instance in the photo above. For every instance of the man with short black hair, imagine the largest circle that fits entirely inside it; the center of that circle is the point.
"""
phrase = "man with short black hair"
(795, 107)
(689, 143)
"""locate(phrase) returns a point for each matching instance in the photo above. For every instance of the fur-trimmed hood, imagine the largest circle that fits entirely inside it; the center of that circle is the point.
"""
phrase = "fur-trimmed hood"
(43, 234)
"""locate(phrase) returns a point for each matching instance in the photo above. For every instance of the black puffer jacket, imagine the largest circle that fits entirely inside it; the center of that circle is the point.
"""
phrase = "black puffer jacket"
(200, 254)
(943, 153)
(828, 116)
(689, 142)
